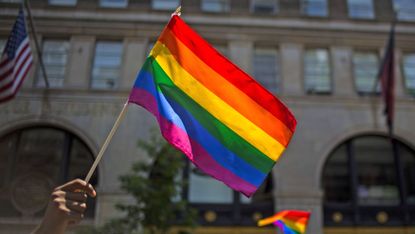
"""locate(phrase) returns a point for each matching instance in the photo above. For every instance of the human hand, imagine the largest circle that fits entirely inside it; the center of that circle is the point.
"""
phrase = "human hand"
(66, 207)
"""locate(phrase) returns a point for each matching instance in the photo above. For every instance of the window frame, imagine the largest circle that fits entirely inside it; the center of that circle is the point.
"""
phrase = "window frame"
(120, 66)
(163, 8)
(306, 12)
(3, 42)
(370, 17)
(408, 90)
(227, 8)
(63, 2)
(277, 78)
(353, 67)
(403, 15)
(354, 214)
(274, 11)
(39, 79)
(330, 72)
(105, 4)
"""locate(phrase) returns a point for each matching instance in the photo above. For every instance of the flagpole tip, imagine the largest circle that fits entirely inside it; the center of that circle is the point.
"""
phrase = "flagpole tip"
(178, 11)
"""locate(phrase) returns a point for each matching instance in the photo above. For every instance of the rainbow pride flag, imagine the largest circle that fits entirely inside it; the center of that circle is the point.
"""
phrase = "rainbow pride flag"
(220, 118)
(289, 221)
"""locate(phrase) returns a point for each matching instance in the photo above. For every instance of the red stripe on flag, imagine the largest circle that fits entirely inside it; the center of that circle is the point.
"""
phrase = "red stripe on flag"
(6, 98)
(6, 74)
(6, 86)
(231, 72)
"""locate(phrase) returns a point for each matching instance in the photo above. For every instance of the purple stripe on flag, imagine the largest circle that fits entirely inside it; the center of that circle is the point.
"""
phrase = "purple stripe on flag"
(193, 150)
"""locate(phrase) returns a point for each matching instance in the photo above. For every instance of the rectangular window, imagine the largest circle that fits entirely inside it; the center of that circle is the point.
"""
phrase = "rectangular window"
(165, 4)
(216, 5)
(317, 71)
(405, 9)
(205, 189)
(113, 3)
(266, 69)
(2, 45)
(365, 69)
(361, 9)
(11, 1)
(55, 58)
(264, 6)
(314, 7)
(63, 2)
(409, 72)
(107, 65)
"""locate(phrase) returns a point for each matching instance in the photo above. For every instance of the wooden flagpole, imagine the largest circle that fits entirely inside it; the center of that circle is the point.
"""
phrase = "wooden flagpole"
(39, 54)
(107, 141)
(114, 128)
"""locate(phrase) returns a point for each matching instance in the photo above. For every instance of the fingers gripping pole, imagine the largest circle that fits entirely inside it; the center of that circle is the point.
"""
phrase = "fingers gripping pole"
(107, 141)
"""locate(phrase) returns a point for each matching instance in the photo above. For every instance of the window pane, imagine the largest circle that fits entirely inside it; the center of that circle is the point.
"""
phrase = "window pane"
(2, 45)
(314, 7)
(336, 177)
(408, 163)
(317, 71)
(405, 9)
(361, 9)
(409, 72)
(215, 5)
(113, 3)
(266, 68)
(63, 2)
(55, 57)
(204, 189)
(365, 70)
(107, 65)
(11, 1)
(376, 171)
(264, 6)
(165, 4)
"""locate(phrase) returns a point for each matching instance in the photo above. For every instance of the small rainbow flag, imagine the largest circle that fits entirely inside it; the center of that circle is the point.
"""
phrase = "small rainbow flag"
(221, 119)
(289, 221)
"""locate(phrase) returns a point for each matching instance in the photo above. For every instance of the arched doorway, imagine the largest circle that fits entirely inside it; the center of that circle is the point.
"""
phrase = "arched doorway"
(33, 161)
(369, 180)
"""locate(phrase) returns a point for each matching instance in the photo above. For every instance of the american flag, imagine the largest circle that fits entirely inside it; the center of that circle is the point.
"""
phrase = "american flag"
(16, 60)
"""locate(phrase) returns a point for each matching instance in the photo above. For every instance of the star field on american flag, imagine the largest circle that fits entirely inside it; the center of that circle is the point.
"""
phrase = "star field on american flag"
(16, 60)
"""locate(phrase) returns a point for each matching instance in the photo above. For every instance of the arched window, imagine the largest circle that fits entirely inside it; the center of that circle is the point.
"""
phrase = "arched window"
(218, 205)
(369, 180)
(33, 161)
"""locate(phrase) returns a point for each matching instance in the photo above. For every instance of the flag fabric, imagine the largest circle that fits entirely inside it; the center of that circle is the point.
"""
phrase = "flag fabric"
(289, 221)
(16, 60)
(228, 125)
(387, 80)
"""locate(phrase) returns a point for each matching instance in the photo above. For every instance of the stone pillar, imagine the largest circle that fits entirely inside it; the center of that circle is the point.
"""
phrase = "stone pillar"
(342, 75)
(133, 59)
(291, 69)
(240, 53)
(80, 62)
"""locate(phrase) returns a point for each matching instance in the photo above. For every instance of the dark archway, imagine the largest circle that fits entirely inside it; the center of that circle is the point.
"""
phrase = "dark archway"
(369, 180)
(33, 160)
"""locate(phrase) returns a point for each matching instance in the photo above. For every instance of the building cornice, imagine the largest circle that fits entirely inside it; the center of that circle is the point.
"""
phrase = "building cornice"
(216, 20)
